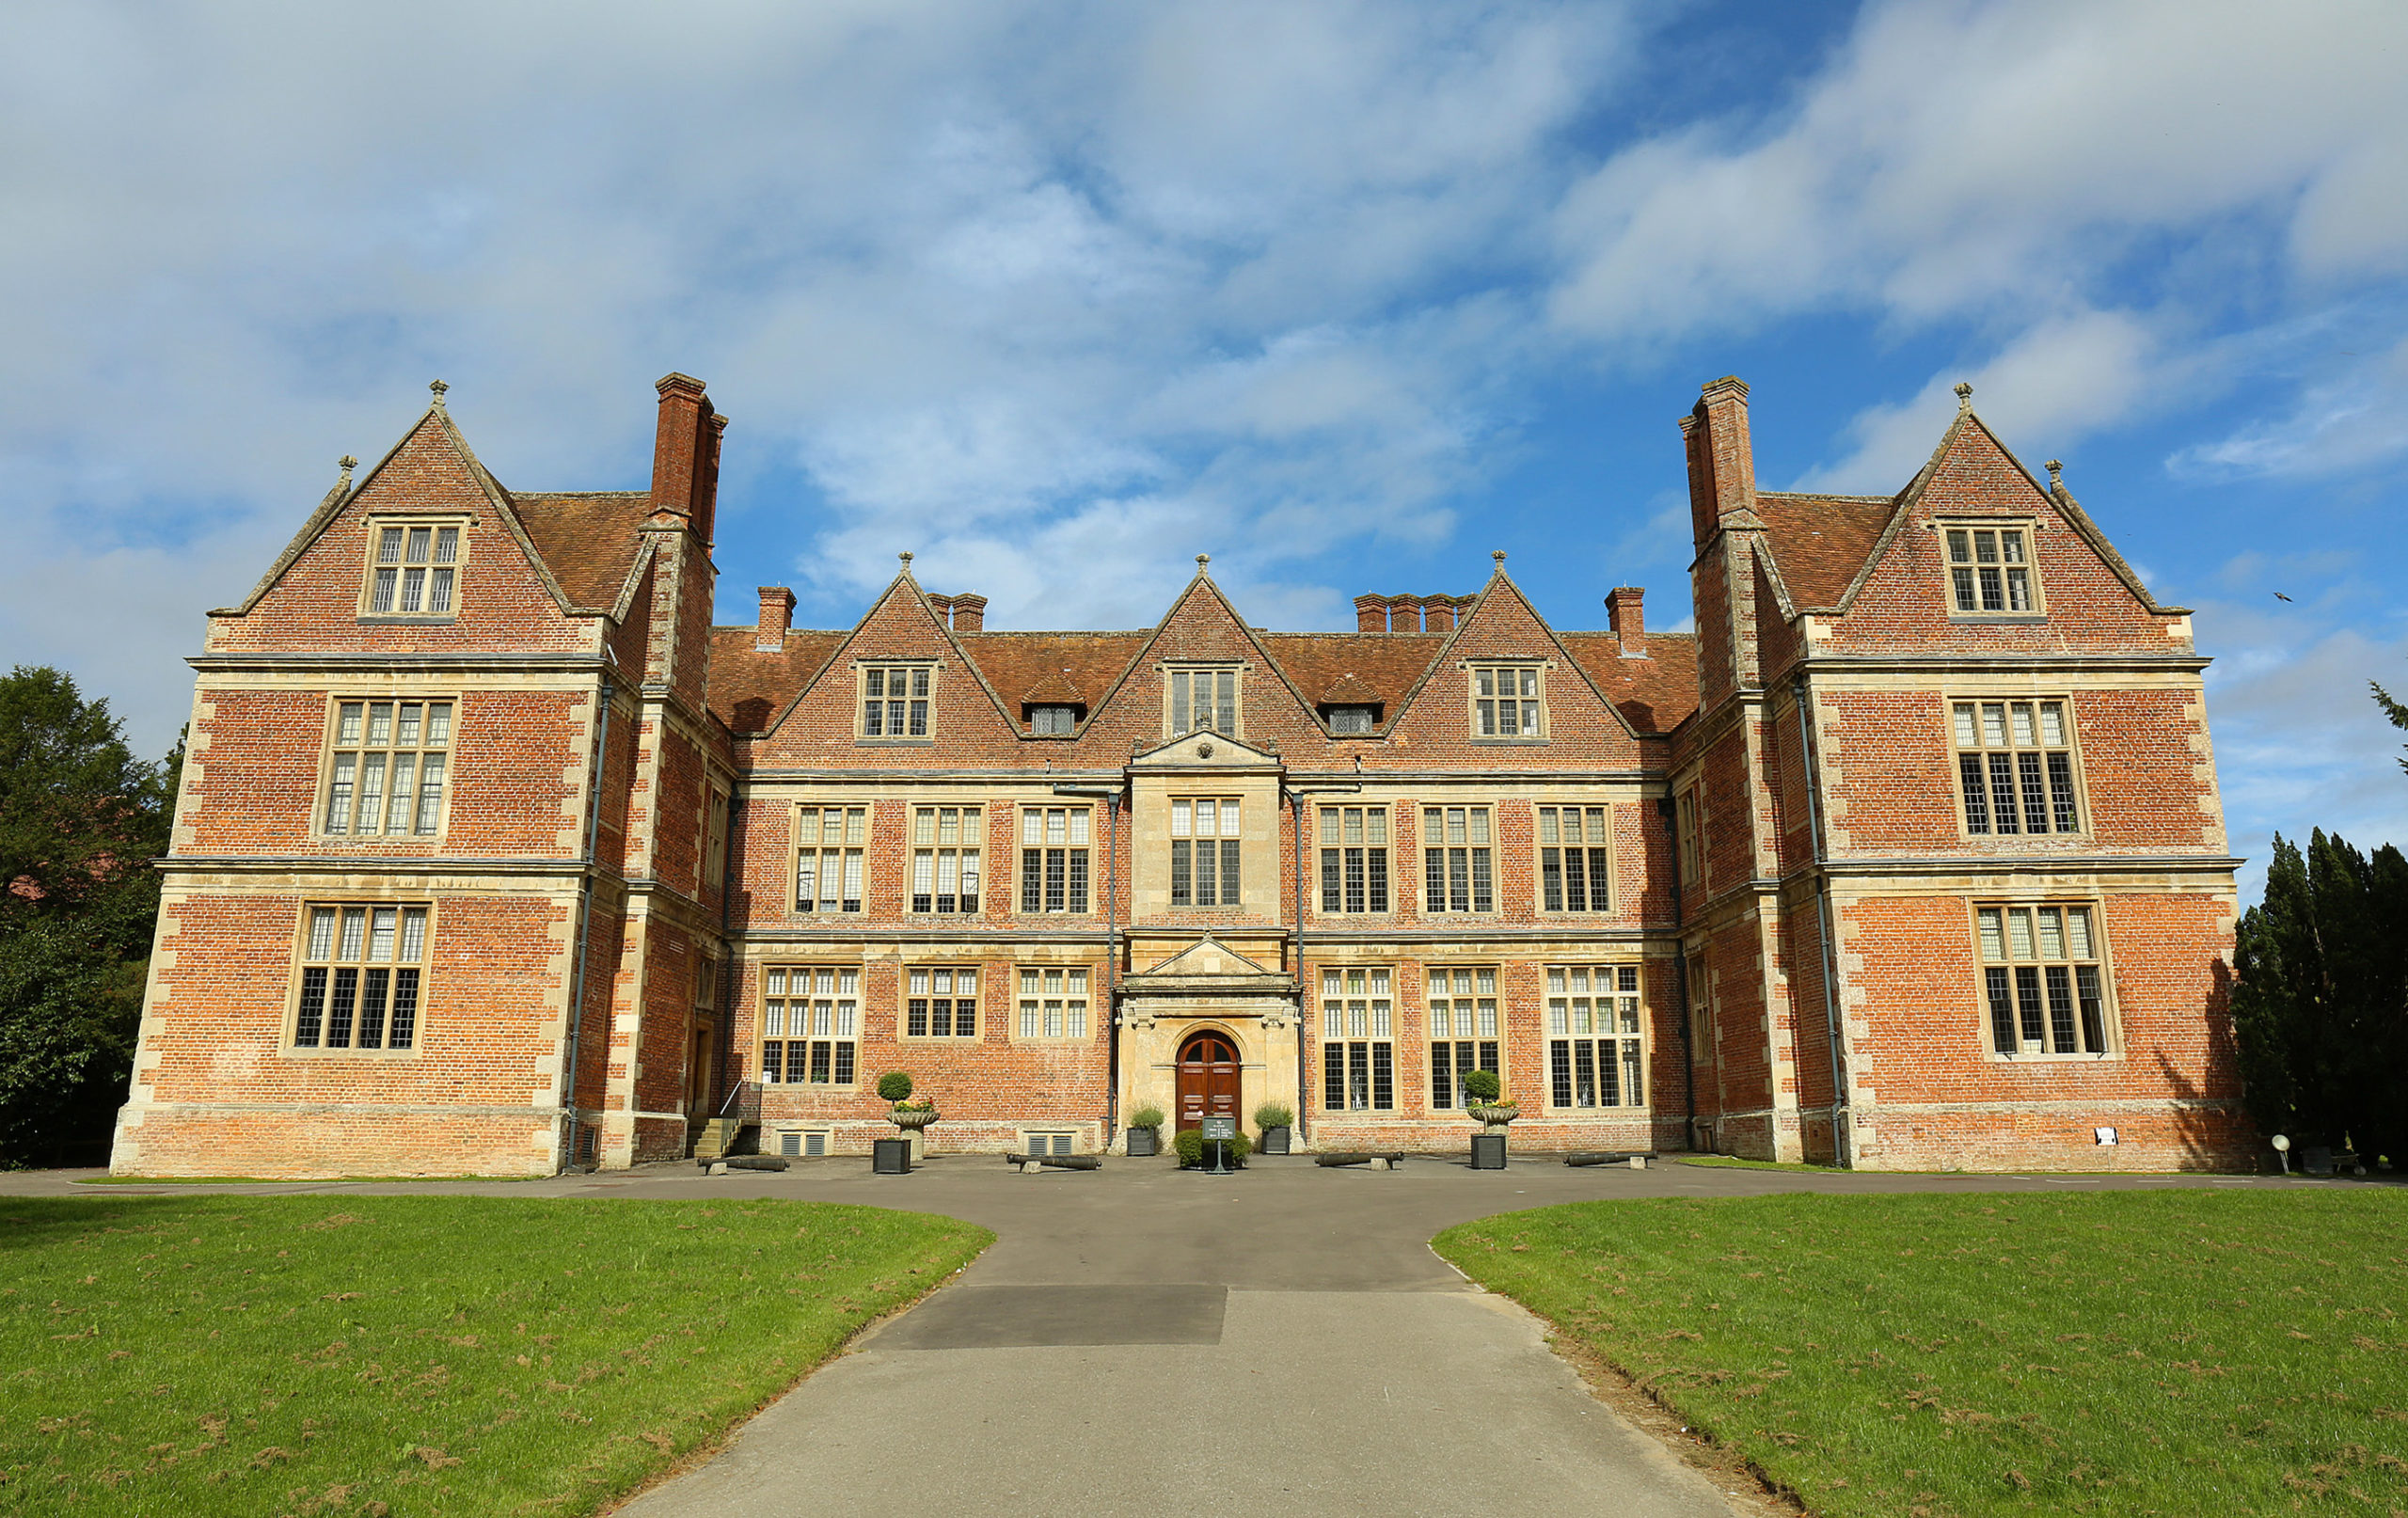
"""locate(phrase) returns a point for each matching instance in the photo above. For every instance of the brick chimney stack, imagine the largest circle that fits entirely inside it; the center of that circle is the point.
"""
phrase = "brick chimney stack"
(969, 613)
(684, 452)
(777, 616)
(1438, 614)
(1371, 613)
(1722, 459)
(1623, 614)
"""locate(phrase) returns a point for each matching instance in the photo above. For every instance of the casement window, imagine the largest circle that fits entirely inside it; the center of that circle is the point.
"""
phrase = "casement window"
(1462, 1031)
(1352, 722)
(413, 569)
(1575, 858)
(1053, 721)
(1053, 857)
(945, 845)
(1204, 839)
(829, 865)
(1354, 859)
(362, 978)
(1595, 1053)
(1054, 1003)
(2043, 979)
(385, 777)
(810, 1022)
(1990, 571)
(1692, 842)
(894, 700)
(715, 805)
(1507, 701)
(1357, 1052)
(1457, 873)
(2015, 767)
(940, 1002)
(1203, 700)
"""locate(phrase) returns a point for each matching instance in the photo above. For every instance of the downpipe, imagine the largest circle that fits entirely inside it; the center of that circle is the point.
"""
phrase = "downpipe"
(1842, 1118)
(571, 1124)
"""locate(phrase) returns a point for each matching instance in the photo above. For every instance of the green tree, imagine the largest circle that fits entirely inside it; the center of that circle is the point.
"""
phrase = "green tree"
(2393, 710)
(2319, 1000)
(80, 821)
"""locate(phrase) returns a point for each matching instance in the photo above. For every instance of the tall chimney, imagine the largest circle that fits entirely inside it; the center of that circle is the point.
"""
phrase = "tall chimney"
(1438, 613)
(777, 615)
(1722, 460)
(969, 613)
(684, 452)
(1371, 613)
(942, 605)
(1623, 614)
(1405, 614)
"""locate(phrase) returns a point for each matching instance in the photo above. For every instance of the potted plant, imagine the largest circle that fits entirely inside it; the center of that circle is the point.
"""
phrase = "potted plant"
(1273, 1120)
(1145, 1132)
(911, 1118)
(1489, 1108)
(1188, 1143)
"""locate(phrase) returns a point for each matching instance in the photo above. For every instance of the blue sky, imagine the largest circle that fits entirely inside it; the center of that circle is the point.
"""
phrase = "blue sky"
(1347, 295)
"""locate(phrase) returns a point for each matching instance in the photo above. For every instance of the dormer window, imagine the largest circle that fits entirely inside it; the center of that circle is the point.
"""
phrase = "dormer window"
(413, 569)
(1053, 721)
(1990, 572)
(1346, 721)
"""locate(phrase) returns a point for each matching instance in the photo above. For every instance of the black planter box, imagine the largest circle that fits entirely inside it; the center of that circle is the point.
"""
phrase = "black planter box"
(890, 1156)
(1144, 1142)
(1274, 1141)
(1488, 1151)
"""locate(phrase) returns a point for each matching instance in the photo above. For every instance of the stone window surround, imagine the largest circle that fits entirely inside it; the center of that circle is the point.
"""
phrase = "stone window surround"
(376, 525)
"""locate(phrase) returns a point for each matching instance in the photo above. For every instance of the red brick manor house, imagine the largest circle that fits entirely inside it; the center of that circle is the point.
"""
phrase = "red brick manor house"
(495, 855)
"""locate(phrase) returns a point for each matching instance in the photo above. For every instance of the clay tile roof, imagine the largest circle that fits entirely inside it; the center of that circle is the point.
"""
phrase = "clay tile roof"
(1820, 541)
(1383, 665)
(1055, 689)
(1037, 666)
(1348, 690)
(1656, 693)
(587, 538)
(748, 688)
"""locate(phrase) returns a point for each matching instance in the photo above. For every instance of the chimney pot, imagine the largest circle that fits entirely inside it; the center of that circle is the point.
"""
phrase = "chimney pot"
(1629, 622)
(1371, 613)
(777, 616)
(1438, 613)
(685, 453)
(1721, 457)
(1405, 614)
(969, 613)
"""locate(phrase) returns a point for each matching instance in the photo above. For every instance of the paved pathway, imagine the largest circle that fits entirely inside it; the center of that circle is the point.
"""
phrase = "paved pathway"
(1148, 1342)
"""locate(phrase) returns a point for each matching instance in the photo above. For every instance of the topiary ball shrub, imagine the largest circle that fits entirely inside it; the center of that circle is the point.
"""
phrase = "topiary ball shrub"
(1146, 1117)
(1480, 1085)
(894, 1086)
(1188, 1143)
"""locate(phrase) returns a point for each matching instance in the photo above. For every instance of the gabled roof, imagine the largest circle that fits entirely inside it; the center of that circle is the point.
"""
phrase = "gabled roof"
(1386, 664)
(1821, 541)
(1655, 694)
(589, 538)
(1036, 667)
(1348, 690)
(749, 686)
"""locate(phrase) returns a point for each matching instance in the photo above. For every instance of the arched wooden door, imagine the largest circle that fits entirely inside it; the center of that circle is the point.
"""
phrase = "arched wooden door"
(1208, 1079)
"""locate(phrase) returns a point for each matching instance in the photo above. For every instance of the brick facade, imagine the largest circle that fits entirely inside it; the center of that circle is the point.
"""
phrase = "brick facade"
(1769, 938)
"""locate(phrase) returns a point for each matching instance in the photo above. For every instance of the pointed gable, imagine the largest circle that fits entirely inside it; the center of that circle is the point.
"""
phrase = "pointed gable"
(1202, 628)
(313, 596)
(1584, 730)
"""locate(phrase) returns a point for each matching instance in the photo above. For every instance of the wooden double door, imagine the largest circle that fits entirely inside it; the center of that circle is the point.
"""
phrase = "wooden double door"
(1208, 1081)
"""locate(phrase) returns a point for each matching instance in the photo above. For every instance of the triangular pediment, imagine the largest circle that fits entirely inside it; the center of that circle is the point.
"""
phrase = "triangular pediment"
(1205, 751)
(1207, 959)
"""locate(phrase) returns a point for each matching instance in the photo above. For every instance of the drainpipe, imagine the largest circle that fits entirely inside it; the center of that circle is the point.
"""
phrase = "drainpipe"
(1840, 1137)
(727, 1008)
(1111, 797)
(1669, 809)
(1304, 994)
(585, 926)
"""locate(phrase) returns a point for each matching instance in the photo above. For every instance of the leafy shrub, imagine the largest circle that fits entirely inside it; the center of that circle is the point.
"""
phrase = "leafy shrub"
(1189, 1145)
(1146, 1117)
(1481, 1084)
(894, 1086)
(1275, 1115)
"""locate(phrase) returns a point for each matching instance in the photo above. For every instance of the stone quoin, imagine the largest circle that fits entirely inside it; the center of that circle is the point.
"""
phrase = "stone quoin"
(495, 855)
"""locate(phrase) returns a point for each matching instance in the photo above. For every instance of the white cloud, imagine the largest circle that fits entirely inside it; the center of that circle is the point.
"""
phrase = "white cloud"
(2346, 422)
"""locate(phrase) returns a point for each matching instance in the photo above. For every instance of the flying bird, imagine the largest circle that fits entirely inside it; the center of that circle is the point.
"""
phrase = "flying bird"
(2280, 597)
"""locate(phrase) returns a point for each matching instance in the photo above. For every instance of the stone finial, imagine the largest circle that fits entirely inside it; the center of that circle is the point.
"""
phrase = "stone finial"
(439, 388)
(906, 557)
(1203, 563)
(1497, 554)
(1964, 395)
(2056, 476)
(346, 463)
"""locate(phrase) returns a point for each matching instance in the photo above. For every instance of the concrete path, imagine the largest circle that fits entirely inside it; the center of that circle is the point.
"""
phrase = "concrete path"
(1144, 1341)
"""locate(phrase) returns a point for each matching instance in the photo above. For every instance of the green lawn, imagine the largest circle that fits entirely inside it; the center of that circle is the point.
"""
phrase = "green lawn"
(2166, 1351)
(256, 1355)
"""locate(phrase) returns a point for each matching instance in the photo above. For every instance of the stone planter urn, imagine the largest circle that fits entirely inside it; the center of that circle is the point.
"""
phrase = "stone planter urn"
(1493, 1115)
(913, 1123)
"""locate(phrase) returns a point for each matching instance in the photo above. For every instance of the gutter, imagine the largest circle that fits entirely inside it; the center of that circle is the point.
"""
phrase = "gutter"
(569, 1131)
(1841, 1144)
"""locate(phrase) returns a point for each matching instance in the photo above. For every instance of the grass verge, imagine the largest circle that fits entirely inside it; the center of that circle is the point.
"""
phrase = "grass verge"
(252, 1356)
(2104, 1352)
(1732, 1161)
